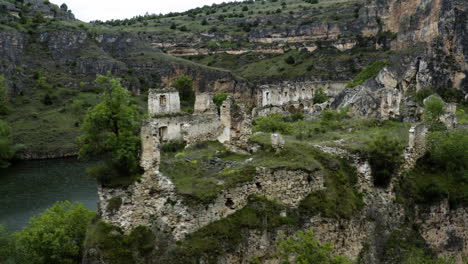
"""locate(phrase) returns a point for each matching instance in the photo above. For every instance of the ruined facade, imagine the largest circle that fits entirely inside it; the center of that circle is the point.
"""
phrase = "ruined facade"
(163, 101)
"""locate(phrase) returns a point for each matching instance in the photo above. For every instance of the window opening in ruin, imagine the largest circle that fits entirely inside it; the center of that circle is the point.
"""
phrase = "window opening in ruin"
(268, 96)
(163, 133)
(163, 100)
(285, 94)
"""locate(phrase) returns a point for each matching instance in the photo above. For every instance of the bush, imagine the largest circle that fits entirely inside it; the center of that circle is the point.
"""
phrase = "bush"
(56, 236)
(290, 60)
(385, 157)
(442, 172)
(219, 98)
(423, 94)
(320, 97)
(371, 71)
(173, 146)
(306, 249)
(272, 124)
(433, 109)
(4, 109)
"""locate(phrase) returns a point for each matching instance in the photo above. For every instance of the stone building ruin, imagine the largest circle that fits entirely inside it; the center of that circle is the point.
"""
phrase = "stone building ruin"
(163, 101)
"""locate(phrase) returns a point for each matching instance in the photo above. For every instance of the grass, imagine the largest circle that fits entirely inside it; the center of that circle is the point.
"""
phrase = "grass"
(371, 71)
(462, 114)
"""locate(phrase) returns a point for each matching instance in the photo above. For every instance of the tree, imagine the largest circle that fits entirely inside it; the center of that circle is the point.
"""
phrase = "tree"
(185, 87)
(64, 7)
(56, 236)
(7, 149)
(110, 131)
(433, 109)
(304, 248)
(6, 245)
(204, 22)
(4, 109)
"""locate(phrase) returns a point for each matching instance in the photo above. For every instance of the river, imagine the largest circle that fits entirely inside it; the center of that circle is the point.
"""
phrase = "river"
(28, 188)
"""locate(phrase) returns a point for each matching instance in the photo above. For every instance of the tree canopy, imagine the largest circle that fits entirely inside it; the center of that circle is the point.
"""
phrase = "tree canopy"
(56, 236)
(110, 131)
(7, 149)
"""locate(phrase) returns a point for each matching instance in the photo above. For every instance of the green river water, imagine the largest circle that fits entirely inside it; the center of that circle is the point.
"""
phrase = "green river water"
(28, 188)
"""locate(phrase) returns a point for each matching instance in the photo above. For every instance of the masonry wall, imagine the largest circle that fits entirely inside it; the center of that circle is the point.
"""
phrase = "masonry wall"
(153, 201)
(161, 102)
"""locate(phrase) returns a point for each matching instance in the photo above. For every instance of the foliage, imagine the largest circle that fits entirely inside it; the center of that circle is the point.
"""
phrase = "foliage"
(340, 199)
(320, 97)
(219, 98)
(433, 109)
(7, 149)
(6, 246)
(442, 173)
(110, 130)
(304, 248)
(116, 247)
(423, 94)
(385, 156)
(408, 247)
(185, 87)
(55, 236)
(368, 72)
(272, 123)
(290, 60)
(173, 146)
(4, 104)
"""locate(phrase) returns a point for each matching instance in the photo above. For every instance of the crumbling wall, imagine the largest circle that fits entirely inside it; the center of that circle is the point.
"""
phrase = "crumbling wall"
(204, 104)
(202, 128)
(163, 101)
(237, 126)
(154, 201)
(150, 154)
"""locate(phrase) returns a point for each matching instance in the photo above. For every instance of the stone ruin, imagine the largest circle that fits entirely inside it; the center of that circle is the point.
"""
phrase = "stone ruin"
(231, 126)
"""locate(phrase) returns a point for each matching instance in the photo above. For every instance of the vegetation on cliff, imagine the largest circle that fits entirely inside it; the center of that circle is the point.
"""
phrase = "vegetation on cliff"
(110, 132)
(442, 173)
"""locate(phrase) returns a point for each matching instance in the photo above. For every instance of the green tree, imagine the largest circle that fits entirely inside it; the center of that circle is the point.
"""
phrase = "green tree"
(6, 246)
(304, 248)
(64, 7)
(187, 96)
(433, 109)
(56, 236)
(219, 98)
(4, 109)
(385, 156)
(7, 149)
(110, 131)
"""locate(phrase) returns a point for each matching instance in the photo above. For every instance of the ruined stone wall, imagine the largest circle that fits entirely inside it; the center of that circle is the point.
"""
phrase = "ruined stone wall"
(287, 93)
(204, 104)
(164, 101)
(202, 128)
(153, 201)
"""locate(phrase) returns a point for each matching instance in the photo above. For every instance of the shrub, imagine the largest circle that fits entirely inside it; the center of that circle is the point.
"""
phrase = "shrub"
(290, 60)
(423, 94)
(433, 109)
(219, 98)
(371, 71)
(173, 146)
(320, 97)
(385, 156)
(4, 108)
(7, 149)
(306, 249)
(273, 124)
(55, 236)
